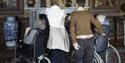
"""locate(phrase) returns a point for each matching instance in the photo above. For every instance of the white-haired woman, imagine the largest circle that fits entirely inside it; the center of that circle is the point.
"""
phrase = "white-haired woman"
(41, 35)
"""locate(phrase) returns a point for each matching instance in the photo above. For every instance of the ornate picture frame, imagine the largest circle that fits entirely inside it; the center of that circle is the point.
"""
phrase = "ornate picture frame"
(11, 6)
(104, 5)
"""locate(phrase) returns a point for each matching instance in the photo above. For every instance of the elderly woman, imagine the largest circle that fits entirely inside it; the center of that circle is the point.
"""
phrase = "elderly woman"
(102, 41)
(41, 36)
(38, 35)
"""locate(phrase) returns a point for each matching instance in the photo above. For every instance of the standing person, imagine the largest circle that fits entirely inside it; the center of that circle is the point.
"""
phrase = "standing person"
(81, 33)
(58, 41)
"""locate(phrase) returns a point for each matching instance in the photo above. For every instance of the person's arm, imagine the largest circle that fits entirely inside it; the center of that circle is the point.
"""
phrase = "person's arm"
(73, 32)
(46, 11)
(72, 28)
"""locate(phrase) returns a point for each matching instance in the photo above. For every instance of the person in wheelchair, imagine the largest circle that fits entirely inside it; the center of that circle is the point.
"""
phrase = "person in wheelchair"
(38, 35)
(41, 36)
(102, 41)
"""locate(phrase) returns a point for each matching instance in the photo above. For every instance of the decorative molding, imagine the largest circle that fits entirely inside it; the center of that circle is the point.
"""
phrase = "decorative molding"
(42, 9)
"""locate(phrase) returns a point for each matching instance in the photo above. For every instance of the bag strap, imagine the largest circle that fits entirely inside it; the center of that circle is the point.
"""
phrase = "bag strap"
(27, 34)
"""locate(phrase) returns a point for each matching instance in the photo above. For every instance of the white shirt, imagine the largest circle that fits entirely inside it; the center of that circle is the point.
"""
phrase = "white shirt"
(56, 16)
(58, 37)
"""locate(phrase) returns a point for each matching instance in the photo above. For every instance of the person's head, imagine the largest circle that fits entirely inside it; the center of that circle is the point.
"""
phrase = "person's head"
(80, 3)
(101, 18)
(60, 3)
(40, 23)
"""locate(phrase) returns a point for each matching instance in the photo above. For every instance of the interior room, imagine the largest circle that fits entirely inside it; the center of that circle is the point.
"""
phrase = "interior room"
(17, 16)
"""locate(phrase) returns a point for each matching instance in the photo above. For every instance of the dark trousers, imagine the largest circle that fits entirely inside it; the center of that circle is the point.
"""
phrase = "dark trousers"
(57, 56)
(85, 53)
(39, 47)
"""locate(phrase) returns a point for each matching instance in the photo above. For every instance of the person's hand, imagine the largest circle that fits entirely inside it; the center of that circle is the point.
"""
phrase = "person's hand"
(103, 34)
(76, 46)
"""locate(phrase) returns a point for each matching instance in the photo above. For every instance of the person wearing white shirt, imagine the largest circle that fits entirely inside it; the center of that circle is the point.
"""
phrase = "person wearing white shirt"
(58, 41)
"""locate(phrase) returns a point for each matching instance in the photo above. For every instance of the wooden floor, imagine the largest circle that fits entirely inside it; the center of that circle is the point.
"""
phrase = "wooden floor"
(8, 56)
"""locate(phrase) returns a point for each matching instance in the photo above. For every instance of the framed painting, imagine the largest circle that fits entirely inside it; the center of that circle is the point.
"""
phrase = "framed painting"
(104, 5)
(11, 6)
(47, 3)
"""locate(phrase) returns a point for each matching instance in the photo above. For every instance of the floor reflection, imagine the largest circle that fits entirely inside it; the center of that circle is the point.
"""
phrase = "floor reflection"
(24, 53)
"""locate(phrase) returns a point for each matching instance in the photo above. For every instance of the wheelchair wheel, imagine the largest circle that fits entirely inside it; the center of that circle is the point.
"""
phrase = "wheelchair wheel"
(44, 60)
(97, 58)
(112, 55)
(22, 59)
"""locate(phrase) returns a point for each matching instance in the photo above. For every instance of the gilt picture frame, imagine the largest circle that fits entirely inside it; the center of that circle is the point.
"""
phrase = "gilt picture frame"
(11, 6)
(105, 5)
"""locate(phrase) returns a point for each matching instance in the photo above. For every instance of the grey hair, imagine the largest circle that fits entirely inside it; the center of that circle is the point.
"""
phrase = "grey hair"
(39, 24)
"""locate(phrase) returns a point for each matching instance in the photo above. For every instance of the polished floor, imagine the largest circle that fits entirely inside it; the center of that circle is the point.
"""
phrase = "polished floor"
(24, 54)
